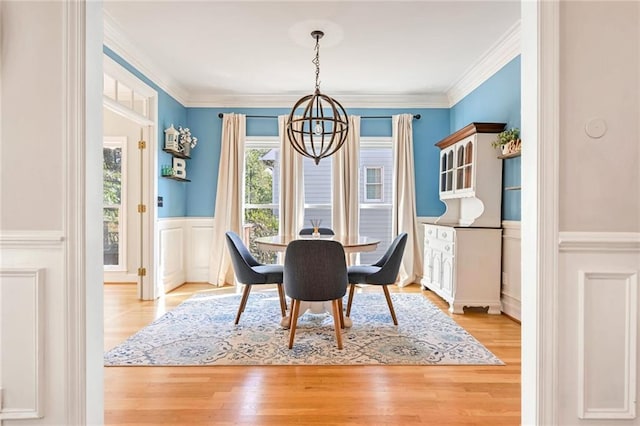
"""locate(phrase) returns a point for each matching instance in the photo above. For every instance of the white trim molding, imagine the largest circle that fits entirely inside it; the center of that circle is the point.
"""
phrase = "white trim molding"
(500, 54)
(116, 41)
(22, 348)
(540, 46)
(607, 358)
(599, 241)
(29, 238)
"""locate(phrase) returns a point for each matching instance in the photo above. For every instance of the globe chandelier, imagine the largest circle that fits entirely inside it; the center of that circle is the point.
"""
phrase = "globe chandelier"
(323, 127)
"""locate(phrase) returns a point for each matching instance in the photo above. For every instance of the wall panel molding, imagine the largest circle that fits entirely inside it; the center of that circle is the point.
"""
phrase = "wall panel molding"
(599, 241)
(22, 372)
(607, 344)
(511, 285)
(28, 238)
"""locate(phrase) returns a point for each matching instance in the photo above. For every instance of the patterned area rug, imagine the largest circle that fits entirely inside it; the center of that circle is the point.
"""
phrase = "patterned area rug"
(200, 331)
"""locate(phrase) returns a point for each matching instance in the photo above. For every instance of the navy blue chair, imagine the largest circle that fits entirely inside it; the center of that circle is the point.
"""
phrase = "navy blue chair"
(315, 271)
(384, 272)
(250, 272)
(321, 231)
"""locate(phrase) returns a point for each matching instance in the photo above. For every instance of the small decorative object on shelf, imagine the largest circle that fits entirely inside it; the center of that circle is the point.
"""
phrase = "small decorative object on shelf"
(167, 170)
(186, 141)
(509, 141)
(315, 223)
(171, 142)
(179, 168)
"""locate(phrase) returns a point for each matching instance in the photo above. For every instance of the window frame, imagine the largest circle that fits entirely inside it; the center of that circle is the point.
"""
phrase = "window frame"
(367, 184)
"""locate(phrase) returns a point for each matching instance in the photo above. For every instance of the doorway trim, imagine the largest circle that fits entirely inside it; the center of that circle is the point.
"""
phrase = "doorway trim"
(149, 288)
(540, 212)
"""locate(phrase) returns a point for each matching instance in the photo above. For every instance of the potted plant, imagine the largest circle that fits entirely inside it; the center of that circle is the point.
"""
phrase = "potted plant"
(509, 141)
(186, 140)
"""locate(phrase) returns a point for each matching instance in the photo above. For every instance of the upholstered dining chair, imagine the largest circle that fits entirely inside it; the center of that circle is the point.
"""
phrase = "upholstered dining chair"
(384, 272)
(250, 272)
(315, 271)
(321, 231)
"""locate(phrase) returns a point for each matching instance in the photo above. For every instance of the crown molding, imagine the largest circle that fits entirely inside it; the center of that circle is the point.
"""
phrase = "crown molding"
(115, 40)
(498, 55)
(347, 100)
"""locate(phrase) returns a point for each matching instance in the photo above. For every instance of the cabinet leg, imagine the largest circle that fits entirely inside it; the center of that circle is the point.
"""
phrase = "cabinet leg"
(456, 308)
(495, 309)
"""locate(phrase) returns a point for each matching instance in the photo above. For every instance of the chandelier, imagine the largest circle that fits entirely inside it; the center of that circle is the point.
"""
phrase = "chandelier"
(322, 128)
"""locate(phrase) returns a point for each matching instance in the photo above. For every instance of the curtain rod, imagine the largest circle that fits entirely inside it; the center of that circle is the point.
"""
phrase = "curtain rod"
(416, 116)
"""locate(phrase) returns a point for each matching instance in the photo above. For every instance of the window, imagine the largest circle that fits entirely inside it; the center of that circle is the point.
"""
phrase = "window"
(261, 193)
(113, 217)
(317, 191)
(373, 184)
(376, 163)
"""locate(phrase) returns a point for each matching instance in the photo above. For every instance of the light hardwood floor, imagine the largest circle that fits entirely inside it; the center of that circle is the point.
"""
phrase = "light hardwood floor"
(309, 395)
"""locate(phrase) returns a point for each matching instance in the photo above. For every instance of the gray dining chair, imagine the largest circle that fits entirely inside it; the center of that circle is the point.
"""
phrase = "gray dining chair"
(250, 272)
(321, 231)
(315, 271)
(384, 272)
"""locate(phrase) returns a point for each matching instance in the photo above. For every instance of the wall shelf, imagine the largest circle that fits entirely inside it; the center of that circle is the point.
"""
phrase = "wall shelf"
(177, 178)
(512, 155)
(177, 154)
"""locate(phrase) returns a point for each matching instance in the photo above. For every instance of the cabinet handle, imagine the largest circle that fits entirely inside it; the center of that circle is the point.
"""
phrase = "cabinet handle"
(447, 248)
(444, 234)
(429, 232)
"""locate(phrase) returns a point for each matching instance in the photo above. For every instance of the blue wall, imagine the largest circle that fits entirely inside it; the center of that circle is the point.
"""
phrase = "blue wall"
(205, 124)
(496, 100)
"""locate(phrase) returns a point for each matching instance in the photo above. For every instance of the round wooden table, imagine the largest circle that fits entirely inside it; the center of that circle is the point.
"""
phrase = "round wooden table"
(351, 244)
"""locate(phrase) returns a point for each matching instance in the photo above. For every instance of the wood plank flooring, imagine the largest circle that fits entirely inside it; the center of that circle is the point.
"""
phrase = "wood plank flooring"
(309, 395)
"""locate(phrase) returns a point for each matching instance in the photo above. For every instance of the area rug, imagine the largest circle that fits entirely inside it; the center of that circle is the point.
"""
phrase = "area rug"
(201, 331)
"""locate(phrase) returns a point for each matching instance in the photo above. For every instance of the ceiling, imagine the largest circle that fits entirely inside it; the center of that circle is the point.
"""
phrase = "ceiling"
(211, 52)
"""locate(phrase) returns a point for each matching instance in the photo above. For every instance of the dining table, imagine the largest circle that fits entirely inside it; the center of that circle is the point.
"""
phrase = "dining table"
(351, 244)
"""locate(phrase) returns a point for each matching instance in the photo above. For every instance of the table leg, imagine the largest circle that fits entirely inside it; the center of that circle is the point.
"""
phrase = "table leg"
(315, 308)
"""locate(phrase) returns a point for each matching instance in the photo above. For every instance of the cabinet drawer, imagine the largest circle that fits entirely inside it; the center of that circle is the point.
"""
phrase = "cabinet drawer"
(446, 234)
(442, 246)
(430, 232)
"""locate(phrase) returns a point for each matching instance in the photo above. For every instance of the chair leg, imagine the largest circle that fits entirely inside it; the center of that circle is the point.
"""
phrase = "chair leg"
(243, 301)
(283, 303)
(352, 288)
(295, 306)
(388, 296)
(336, 322)
(341, 313)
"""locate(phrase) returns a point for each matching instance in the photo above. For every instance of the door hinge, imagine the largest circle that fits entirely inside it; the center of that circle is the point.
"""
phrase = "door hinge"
(142, 272)
(142, 145)
(142, 208)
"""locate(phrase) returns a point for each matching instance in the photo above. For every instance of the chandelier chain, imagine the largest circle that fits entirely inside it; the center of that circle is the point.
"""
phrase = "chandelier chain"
(316, 62)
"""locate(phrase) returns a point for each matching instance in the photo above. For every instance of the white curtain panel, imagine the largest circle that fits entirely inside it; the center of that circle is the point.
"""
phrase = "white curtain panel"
(228, 214)
(404, 198)
(345, 218)
(291, 183)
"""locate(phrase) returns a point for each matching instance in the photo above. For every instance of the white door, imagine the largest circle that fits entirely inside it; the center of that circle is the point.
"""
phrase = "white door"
(129, 122)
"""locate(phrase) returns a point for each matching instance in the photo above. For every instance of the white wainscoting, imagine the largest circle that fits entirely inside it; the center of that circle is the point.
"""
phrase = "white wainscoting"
(32, 277)
(22, 341)
(598, 293)
(511, 295)
(185, 244)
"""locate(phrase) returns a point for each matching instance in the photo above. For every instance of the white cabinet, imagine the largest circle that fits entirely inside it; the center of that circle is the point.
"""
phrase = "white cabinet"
(462, 251)
(462, 265)
(471, 176)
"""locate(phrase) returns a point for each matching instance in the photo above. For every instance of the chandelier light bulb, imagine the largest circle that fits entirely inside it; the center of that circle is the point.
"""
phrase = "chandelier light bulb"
(317, 130)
